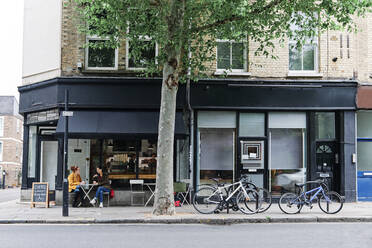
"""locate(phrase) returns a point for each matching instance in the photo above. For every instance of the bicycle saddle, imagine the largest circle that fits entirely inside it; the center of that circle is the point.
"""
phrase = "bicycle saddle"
(216, 180)
(300, 184)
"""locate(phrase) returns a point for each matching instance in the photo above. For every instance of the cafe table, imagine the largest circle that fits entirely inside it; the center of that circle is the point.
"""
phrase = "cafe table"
(87, 188)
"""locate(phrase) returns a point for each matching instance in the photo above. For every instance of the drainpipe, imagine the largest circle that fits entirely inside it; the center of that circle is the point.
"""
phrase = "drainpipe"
(191, 111)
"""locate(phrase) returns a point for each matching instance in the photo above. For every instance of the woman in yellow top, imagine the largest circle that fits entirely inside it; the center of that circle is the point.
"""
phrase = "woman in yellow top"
(74, 182)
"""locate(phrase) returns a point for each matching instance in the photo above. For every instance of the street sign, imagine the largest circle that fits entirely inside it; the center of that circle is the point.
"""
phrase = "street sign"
(67, 113)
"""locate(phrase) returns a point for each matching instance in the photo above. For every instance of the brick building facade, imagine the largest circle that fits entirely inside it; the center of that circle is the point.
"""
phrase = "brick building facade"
(318, 98)
(11, 140)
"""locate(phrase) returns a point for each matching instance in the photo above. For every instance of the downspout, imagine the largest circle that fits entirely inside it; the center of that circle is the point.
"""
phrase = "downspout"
(191, 119)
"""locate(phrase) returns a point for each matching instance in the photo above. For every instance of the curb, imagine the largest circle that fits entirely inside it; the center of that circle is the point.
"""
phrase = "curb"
(205, 221)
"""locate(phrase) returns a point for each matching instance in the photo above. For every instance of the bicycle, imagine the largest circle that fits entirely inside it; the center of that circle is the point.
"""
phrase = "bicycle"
(264, 196)
(329, 202)
(209, 199)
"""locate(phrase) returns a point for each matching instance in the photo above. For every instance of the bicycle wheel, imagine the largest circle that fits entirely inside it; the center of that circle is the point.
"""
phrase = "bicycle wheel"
(290, 203)
(330, 202)
(206, 200)
(248, 204)
(264, 200)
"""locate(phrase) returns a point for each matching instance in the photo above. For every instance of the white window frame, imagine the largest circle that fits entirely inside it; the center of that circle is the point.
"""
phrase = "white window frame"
(18, 125)
(2, 119)
(245, 57)
(87, 67)
(316, 57)
(142, 38)
(1, 150)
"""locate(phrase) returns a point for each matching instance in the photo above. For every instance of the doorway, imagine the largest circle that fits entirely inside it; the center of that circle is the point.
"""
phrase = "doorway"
(48, 161)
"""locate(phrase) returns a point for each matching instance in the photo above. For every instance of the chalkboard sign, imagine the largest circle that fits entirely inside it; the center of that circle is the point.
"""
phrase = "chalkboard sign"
(40, 194)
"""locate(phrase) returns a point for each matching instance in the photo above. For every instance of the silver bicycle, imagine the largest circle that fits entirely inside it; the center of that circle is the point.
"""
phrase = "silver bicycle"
(213, 199)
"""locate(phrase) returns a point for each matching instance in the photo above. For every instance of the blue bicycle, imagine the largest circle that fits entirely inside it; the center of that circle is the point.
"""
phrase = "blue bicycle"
(329, 202)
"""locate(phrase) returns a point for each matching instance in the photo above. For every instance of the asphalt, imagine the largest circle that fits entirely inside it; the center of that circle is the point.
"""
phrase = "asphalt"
(13, 212)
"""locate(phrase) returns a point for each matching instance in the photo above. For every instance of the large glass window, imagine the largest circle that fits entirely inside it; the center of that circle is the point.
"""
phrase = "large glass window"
(325, 127)
(32, 151)
(1, 151)
(364, 146)
(216, 154)
(1, 126)
(252, 124)
(287, 151)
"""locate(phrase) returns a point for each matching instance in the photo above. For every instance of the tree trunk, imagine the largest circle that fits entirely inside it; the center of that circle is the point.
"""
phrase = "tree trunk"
(164, 199)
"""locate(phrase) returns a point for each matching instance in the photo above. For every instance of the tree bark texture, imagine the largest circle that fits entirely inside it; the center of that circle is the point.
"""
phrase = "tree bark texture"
(164, 198)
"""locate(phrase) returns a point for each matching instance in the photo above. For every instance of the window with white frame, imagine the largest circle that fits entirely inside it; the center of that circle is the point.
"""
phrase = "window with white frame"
(1, 126)
(18, 125)
(99, 56)
(231, 55)
(145, 55)
(303, 58)
(1, 151)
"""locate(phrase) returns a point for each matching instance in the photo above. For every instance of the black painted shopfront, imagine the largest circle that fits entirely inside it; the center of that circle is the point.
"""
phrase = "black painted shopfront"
(278, 132)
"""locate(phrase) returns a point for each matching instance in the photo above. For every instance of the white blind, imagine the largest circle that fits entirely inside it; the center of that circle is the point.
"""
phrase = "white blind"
(216, 119)
(287, 120)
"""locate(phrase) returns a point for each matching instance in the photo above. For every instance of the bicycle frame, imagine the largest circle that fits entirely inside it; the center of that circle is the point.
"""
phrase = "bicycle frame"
(219, 188)
(318, 190)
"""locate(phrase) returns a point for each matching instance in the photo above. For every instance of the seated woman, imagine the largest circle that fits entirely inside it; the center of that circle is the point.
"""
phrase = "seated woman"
(102, 181)
(74, 182)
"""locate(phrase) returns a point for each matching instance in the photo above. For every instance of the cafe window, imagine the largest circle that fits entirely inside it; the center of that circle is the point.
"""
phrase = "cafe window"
(32, 151)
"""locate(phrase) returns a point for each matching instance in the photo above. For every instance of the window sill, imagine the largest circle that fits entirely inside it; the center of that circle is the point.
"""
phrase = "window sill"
(304, 74)
(232, 73)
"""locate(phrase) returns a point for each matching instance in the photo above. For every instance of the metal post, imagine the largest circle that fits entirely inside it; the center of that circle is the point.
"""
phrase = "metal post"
(4, 173)
(65, 160)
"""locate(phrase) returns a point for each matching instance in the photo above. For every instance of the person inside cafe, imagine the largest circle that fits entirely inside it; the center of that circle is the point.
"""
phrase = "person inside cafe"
(74, 186)
(102, 181)
(152, 163)
(132, 162)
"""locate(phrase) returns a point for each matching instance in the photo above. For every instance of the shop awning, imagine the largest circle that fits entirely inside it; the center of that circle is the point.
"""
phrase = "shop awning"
(111, 123)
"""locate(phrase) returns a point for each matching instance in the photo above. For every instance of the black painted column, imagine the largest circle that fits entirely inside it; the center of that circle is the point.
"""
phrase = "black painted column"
(59, 180)
(348, 148)
(25, 156)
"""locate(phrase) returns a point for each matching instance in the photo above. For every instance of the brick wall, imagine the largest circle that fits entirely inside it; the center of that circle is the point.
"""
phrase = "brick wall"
(342, 55)
(12, 149)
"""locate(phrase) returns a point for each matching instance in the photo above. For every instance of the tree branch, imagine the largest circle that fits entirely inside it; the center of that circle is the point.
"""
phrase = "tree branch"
(236, 18)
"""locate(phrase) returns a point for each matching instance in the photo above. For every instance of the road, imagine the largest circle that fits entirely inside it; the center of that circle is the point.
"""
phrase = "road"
(9, 194)
(327, 235)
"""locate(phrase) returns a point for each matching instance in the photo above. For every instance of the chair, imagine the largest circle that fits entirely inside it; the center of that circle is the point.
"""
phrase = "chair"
(187, 196)
(137, 196)
(180, 188)
(108, 198)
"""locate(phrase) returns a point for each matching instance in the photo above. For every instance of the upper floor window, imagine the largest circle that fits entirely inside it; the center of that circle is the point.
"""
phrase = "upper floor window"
(100, 57)
(18, 125)
(1, 151)
(1, 126)
(231, 55)
(303, 58)
(145, 54)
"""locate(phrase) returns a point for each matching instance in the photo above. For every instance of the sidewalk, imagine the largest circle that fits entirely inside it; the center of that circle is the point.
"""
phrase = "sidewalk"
(15, 212)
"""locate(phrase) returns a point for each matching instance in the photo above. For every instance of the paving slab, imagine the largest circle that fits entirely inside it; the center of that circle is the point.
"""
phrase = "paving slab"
(15, 212)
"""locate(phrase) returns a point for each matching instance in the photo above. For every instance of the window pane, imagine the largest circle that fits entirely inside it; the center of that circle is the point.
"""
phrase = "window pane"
(216, 154)
(32, 151)
(325, 125)
(252, 124)
(146, 54)
(101, 57)
(364, 156)
(223, 55)
(237, 56)
(295, 63)
(309, 53)
(286, 159)
(286, 148)
(364, 124)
